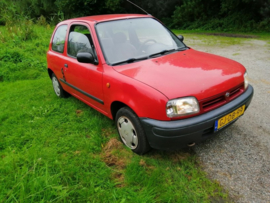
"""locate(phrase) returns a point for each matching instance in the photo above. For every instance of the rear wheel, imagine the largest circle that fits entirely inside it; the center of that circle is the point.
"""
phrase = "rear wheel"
(59, 91)
(130, 131)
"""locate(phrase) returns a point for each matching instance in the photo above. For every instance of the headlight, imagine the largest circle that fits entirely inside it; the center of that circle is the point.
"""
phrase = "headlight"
(182, 107)
(245, 80)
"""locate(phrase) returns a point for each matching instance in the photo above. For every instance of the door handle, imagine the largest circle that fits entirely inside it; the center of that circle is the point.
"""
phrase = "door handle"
(66, 65)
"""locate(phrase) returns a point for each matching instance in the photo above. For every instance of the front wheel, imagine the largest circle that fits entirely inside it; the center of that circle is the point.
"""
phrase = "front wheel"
(130, 131)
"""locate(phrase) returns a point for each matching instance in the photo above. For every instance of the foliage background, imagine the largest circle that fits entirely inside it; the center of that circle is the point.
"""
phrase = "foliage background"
(220, 15)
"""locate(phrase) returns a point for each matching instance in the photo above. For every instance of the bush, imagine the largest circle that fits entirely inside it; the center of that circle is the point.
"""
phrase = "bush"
(238, 15)
(42, 21)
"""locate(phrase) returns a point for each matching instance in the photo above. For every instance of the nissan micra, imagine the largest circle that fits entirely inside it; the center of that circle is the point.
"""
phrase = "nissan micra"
(161, 93)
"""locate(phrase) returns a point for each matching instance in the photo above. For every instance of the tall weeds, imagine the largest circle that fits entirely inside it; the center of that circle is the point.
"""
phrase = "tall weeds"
(19, 27)
(23, 47)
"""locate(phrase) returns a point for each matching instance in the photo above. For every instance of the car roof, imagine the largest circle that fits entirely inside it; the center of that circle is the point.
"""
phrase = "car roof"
(102, 18)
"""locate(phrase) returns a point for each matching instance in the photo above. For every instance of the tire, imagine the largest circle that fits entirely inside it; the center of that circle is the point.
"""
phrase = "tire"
(58, 89)
(130, 131)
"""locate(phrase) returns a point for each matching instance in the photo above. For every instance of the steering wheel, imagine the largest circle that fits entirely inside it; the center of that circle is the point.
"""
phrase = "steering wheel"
(144, 43)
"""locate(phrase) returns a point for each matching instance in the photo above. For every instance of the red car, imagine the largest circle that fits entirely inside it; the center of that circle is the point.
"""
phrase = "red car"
(161, 93)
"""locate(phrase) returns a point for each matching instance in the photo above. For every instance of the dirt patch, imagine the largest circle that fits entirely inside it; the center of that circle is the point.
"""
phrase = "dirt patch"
(145, 165)
(179, 156)
(112, 145)
(110, 158)
(142, 163)
(119, 179)
(231, 35)
(116, 157)
(79, 112)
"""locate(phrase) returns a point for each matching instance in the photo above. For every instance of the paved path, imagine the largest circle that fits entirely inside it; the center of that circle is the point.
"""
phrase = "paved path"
(239, 157)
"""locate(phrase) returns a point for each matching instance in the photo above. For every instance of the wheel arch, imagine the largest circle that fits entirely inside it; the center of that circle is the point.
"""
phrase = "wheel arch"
(50, 72)
(116, 105)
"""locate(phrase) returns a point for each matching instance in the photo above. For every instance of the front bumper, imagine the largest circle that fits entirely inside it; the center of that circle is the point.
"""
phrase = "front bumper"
(180, 133)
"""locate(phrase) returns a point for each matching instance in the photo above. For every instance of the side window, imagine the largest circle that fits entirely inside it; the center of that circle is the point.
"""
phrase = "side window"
(79, 40)
(59, 39)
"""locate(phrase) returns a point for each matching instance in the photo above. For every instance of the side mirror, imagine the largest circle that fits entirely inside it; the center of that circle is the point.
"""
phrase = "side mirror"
(85, 57)
(181, 37)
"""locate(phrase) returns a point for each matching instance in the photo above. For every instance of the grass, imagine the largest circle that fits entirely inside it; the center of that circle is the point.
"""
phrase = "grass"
(23, 59)
(209, 38)
(260, 35)
(61, 150)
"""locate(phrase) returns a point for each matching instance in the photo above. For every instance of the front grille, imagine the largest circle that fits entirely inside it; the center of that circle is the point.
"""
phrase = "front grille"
(234, 93)
(213, 102)
(221, 99)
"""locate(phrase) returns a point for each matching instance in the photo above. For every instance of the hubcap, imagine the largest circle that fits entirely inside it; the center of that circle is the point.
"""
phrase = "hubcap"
(56, 86)
(127, 132)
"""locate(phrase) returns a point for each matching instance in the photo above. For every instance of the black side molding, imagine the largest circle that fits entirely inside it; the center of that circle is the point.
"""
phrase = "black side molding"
(86, 94)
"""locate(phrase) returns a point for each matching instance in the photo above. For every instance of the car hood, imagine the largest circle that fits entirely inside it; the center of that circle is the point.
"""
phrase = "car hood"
(186, 73)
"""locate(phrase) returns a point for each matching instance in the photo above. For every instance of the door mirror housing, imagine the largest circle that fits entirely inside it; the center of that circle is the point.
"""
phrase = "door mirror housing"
(181, 37)
(85, 57)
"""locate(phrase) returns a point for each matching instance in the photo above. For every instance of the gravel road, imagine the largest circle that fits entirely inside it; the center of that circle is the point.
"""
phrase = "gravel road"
(239, 157)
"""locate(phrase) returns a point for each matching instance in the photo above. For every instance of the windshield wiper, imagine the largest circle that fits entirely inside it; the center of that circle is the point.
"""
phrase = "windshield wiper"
(181, 48)
(163, 52)
(130, 60)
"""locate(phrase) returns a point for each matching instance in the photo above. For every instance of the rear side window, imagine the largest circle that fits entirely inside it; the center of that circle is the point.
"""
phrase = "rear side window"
(59, 39)
(79, 40)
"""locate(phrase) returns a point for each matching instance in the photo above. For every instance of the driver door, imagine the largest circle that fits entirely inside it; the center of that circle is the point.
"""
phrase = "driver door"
(85, 79)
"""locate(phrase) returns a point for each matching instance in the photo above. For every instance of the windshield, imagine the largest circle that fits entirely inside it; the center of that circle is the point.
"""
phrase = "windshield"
(135, 39)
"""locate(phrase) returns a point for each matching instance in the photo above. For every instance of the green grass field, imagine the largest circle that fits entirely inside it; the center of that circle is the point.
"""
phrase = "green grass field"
(61, 150)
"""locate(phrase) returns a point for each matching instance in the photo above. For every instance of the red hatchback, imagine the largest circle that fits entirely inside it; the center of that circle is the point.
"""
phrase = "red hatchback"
(161, 93)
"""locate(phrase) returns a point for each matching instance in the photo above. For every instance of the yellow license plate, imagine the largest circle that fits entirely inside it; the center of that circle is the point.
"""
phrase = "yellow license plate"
(229, 118)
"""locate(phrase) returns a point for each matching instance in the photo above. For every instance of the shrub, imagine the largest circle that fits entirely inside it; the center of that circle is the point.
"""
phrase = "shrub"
(13, 56)
(238, 15)
(42, 21)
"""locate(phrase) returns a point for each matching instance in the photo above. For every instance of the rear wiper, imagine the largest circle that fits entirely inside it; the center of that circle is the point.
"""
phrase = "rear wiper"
(130, 60)
(162, 52)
